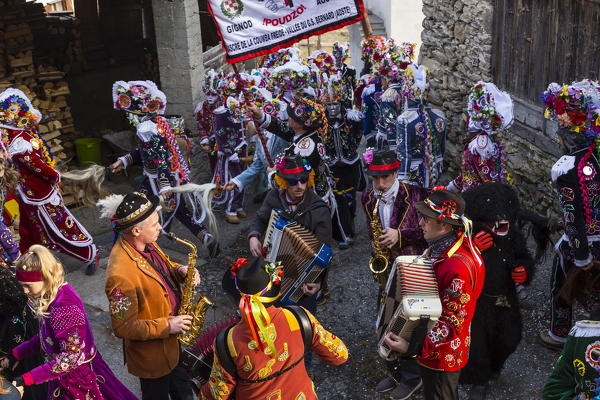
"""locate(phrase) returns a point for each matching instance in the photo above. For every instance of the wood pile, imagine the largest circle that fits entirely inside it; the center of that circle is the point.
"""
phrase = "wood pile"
(36, 52)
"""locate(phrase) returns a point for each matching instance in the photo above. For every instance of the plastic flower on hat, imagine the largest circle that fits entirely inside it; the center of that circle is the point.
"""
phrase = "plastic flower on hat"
(575, 106)
(16, 110)
(139, 97)
(372, 49)
(291, 76)
(282, 56)
(311, 114)
(489, 109)
(368, 155)
(340, 53)
(335, 89)
(323, 60)
(415, 82)
(211, 82)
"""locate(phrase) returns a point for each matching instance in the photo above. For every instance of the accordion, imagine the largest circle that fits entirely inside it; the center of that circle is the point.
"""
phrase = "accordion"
(303, 256)
(197, 358)
(419, 298)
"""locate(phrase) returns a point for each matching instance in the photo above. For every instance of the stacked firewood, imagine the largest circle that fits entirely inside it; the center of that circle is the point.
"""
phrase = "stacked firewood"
(36, 52)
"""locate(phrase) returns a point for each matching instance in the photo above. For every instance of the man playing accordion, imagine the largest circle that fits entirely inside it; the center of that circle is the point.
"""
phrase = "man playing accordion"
(460, 273)
(298, 202)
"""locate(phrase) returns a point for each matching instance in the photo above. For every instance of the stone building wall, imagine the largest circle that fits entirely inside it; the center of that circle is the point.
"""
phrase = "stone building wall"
(457, 47)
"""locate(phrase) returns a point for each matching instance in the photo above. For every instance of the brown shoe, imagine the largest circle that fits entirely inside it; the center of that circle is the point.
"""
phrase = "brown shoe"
(232, 219)
(242, 214)
(547, 341)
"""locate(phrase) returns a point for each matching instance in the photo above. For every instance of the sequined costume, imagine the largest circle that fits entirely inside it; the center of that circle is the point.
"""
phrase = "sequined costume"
(44, 217)
(371, 99)
(390, 107)
(206, 128)
(252, 363)
(74, 369)
(8, 246)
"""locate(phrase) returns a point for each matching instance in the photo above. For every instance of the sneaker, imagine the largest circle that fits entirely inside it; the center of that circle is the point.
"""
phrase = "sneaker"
(232, 219)
(93, 266)
(212, 245)
(242, 214)
(478, 392)
(404, 390)
(547, 341)
(385, 385)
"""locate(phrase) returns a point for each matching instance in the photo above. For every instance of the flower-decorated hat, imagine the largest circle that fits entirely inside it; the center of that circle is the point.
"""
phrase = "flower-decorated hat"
(575, 106)
(373, 48)
(139, 97)
(395, 59)
(211, 82)
(381, 162)
(308, 113)
(292, 75)
(415, 82)
(16, 111)
(489, 109)
(334, 90)
(323, 60)
(282, 56)
(340, 53)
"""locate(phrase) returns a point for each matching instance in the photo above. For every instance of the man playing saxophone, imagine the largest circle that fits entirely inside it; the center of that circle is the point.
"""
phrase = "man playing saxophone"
(393, 225)
(143, 289)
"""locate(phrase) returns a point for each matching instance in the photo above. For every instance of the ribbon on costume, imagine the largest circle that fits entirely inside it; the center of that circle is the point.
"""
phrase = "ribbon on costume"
(449, 211)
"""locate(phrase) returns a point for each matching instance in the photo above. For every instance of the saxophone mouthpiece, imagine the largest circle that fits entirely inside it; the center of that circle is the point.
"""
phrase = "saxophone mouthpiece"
(170, 236)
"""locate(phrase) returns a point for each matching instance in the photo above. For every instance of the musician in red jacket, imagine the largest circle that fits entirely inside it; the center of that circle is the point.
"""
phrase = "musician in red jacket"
(460, 273)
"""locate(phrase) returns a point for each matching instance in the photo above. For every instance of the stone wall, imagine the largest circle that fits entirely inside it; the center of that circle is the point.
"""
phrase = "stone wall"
(457, 47)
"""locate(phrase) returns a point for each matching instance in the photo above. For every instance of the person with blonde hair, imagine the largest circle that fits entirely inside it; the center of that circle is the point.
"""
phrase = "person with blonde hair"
(74, 368)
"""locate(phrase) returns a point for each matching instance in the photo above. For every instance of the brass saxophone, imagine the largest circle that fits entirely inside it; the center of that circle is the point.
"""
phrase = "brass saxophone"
(380, 261)
(188, 295)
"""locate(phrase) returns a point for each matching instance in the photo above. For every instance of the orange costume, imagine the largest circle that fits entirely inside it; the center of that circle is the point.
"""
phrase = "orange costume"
(253, 364)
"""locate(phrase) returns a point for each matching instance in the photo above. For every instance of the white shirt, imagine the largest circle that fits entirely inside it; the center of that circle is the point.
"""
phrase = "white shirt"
(386, 205)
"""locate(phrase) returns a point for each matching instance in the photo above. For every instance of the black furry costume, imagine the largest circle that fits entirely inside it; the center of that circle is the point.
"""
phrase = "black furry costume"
(496, 326)
(16, 326)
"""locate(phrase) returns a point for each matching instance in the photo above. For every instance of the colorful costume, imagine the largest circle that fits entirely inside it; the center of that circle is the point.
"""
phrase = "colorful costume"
(205, 115)
(372, 51)
(421, 131)
(460, 275)
(575, 374)
(44, 218)
(490, 111)
(264, 351)
(341, 147)
(158, 152)
(74, 370)
(577, 179)
(8, 247)
(232, 145)
(391, 67)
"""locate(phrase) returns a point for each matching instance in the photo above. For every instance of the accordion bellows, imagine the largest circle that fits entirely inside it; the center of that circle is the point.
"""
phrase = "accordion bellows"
(302, 255)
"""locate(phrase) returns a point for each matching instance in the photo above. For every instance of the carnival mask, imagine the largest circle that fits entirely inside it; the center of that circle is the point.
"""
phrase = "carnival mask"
(212, 98)
(334, 109)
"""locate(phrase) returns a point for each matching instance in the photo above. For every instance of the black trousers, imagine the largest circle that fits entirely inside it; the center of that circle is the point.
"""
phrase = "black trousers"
(439, 385)
(176, 384)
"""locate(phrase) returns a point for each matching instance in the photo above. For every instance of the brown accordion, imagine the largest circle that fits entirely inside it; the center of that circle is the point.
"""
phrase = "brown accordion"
(418, 297)
(303, 256)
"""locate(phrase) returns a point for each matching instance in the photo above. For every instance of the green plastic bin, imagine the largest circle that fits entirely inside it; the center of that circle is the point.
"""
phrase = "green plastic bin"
(88, 151)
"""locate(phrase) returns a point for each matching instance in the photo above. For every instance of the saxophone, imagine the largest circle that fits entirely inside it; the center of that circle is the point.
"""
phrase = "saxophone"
(188, 295)
(379, 262)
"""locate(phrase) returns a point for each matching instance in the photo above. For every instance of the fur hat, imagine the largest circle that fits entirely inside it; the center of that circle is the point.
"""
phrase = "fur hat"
(16, 111)
(139, 97)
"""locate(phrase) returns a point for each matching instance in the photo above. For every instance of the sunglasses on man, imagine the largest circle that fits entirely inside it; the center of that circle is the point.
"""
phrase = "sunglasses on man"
(294, 182)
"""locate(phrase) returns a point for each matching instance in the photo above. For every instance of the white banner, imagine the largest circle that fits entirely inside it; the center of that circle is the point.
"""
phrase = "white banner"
(250, 28)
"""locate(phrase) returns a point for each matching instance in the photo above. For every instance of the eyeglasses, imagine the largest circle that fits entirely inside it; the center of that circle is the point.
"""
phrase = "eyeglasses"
(294, 182)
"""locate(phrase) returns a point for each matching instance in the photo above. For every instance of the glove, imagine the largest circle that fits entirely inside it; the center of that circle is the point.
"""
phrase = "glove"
(483, 240)
(519, 274)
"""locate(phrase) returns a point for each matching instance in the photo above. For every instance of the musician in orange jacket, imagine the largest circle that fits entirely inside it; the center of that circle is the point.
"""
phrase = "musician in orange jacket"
(261, 356)
(460, 274)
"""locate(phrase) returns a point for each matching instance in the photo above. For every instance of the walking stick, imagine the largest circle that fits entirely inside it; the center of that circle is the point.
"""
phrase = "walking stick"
(263, 142)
